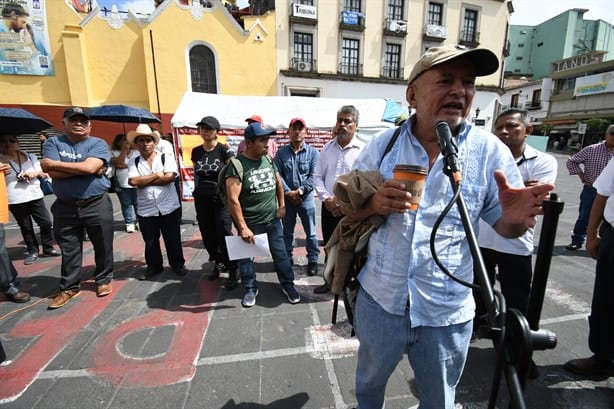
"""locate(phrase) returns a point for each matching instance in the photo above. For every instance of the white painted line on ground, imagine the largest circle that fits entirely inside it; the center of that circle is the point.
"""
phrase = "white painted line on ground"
(330, 370)
(251, 356)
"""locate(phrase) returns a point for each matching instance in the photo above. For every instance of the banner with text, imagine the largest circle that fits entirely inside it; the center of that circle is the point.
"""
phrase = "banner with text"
(24, 38)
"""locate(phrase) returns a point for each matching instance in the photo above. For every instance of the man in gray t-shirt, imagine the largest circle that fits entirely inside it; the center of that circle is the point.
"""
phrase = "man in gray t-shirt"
(77, 162)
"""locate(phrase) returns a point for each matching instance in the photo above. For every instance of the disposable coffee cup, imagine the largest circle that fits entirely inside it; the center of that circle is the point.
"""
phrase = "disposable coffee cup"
(413, 177)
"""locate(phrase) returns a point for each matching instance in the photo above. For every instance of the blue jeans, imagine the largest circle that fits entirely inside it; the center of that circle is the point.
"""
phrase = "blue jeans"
(436, 354)
(587, 196)
(274, 232)
(307, 213)
(127, 199)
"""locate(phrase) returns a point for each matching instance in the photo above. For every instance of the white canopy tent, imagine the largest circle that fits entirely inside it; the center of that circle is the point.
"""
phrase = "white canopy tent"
(231, 110)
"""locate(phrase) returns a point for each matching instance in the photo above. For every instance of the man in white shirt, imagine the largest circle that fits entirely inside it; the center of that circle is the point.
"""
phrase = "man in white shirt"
(158, 207)
(336, 158)
(599, 243)
(512, 257)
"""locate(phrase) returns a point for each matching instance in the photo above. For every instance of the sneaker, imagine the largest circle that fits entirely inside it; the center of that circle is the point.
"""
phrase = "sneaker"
(218, 269)
(30, 259)
(130, 228)
(249, 299)
(63, 298)
(312, 269)
(291, 294)
(573, 246)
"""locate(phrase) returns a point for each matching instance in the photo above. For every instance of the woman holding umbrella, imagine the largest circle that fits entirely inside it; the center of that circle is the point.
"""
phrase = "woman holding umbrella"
(25, 197)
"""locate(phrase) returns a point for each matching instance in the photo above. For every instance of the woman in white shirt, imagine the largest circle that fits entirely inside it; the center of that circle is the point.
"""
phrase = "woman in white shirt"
(122, 152)
(26, 198)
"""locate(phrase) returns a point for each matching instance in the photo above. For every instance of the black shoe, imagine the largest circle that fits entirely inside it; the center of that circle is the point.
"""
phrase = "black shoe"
(18, 297)
(322, 289)
(573, 246)
(148, 274)
(51, 253)
(181, 271)
(533, 373)
(591, 367)
(230, 284)
(312, 269)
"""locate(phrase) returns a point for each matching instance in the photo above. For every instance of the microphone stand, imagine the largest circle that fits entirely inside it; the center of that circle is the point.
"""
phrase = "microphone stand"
(512, 337)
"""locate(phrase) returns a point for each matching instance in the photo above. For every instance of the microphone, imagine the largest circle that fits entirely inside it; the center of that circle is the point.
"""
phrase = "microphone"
(448, 147)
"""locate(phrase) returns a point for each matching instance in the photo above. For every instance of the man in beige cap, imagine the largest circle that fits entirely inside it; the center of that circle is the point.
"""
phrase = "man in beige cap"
(406, 304)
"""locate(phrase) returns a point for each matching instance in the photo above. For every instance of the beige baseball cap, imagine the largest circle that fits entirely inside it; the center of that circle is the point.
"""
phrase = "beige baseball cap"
(484, 60)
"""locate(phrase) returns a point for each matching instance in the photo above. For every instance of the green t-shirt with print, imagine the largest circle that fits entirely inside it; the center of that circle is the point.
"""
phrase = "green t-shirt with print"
(258, 196)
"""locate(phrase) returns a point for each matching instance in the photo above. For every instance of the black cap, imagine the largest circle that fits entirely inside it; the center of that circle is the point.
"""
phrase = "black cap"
(75, 111)
(211, 122)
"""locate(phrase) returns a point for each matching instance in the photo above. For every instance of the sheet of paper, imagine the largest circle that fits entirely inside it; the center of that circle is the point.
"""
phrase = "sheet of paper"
(238, 249)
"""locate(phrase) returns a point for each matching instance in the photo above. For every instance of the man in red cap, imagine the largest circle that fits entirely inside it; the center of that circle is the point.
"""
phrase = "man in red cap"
(272, 145)
(296, 163)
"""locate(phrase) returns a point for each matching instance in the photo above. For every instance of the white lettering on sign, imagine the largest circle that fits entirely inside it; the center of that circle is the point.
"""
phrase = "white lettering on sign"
(577, 61)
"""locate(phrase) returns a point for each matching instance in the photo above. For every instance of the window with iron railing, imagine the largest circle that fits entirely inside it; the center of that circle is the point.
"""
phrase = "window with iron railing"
(392, 61)
(202, 69)
(350, 57)
(469, 34)
(303, 47)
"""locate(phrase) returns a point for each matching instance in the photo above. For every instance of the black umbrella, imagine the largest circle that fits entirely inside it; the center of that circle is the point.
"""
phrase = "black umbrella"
(122, 114)
(17, 121)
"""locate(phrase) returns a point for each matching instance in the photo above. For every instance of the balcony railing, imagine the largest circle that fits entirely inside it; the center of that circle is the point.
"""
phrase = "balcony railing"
(470, 38)
(352, 20)
(392, 72)
(435, 32)
(303, 64)
(350, 69)
(395, 27)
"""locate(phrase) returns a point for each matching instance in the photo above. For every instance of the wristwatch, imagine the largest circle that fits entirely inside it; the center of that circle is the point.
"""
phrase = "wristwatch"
(301, 191)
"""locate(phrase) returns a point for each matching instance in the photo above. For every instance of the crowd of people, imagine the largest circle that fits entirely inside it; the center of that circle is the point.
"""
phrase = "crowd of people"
(405, 304)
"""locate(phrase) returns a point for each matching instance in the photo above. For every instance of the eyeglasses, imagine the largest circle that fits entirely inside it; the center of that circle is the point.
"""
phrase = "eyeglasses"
(144, 140)
(345, 120)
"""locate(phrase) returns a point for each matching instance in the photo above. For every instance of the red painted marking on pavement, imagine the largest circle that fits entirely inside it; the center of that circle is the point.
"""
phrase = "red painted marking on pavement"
(177, 365)
(52, 335)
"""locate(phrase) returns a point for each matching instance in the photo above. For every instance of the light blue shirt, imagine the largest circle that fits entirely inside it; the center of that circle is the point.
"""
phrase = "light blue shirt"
(296, 169)
(399, 263)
